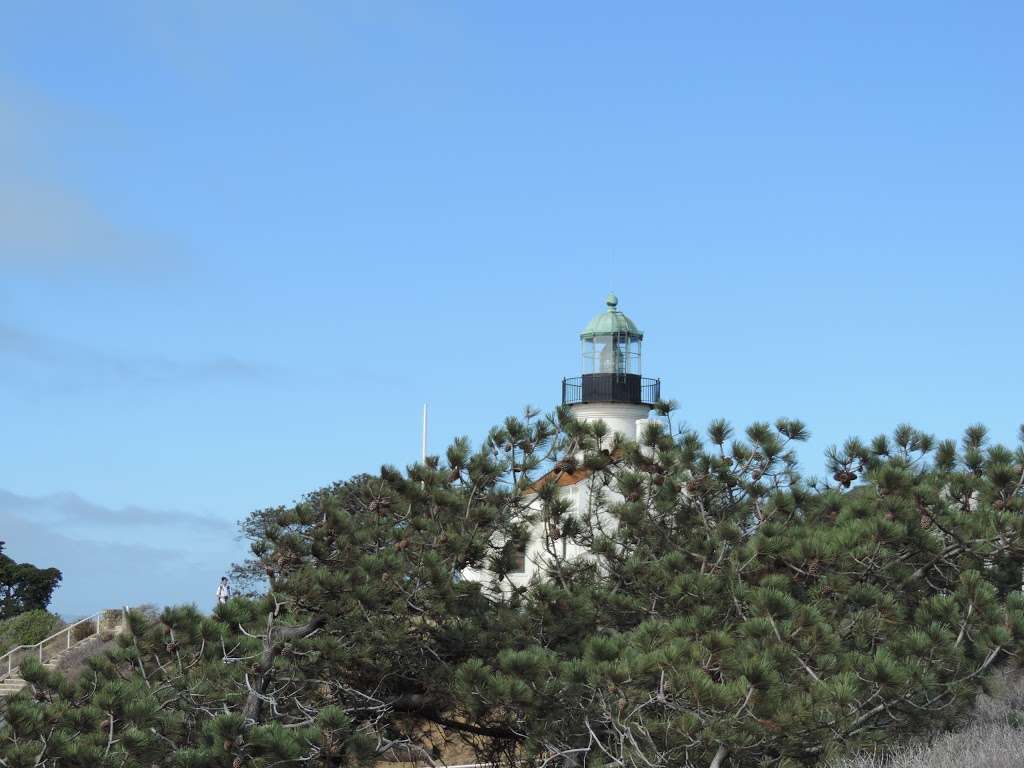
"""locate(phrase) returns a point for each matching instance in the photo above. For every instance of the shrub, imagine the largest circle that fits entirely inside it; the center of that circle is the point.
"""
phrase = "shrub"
(83, 630)
(991, 737)
(27, 629)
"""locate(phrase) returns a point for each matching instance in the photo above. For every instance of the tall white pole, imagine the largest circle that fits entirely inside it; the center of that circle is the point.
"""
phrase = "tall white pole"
(423, 443)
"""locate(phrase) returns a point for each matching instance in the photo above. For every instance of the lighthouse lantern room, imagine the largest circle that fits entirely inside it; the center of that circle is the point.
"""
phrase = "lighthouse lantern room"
(611, 386)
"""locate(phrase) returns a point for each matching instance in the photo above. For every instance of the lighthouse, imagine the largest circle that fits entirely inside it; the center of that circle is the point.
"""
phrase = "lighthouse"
(611, 386)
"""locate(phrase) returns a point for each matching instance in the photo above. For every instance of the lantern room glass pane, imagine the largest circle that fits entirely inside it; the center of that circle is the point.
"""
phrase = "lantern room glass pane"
(589, 365)
(613, 353)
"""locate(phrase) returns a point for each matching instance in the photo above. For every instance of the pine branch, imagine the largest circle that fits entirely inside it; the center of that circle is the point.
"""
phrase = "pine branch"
(273, 641)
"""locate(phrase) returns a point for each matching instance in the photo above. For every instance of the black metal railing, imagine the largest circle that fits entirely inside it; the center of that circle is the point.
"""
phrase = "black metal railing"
(610, 388)
(650, 391)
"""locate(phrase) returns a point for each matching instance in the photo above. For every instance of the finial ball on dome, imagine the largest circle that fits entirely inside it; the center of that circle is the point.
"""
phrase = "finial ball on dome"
(611, 321)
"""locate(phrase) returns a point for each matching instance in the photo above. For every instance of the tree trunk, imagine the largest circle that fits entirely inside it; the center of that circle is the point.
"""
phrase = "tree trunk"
(272, 642)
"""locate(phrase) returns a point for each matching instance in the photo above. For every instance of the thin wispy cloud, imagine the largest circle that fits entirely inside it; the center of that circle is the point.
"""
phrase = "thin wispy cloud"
(68, 508)
(60, 364)
(48, 225)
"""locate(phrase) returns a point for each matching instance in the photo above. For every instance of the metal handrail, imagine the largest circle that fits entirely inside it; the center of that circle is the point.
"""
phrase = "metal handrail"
(96, 617)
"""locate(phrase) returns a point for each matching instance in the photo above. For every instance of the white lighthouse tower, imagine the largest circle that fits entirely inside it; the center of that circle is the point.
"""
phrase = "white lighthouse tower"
(611, 387)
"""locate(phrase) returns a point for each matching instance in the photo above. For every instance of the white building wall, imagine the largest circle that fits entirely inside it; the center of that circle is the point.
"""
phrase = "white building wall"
(620, 417)
(625, 419)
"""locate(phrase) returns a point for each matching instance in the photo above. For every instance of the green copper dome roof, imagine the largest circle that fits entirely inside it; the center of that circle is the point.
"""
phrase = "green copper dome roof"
(611, 321)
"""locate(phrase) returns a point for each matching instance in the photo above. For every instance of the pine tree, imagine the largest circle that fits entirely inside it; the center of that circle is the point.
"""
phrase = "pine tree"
(727, 611)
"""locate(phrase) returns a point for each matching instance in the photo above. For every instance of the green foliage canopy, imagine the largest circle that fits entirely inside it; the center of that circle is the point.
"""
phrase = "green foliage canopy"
(725, 610)
(24, 587)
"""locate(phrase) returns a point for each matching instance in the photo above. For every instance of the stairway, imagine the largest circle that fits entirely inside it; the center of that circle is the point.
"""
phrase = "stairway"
(11, 685)
(10, 678)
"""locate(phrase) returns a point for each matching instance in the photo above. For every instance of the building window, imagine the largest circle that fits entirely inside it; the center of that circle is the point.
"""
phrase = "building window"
(519, 560)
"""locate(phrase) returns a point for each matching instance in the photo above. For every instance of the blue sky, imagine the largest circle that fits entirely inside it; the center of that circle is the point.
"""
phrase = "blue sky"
(242, 243)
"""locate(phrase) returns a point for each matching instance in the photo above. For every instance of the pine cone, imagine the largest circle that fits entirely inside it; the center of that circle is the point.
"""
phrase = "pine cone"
(380, 506)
